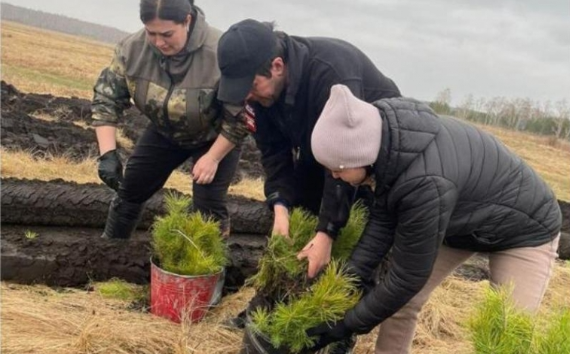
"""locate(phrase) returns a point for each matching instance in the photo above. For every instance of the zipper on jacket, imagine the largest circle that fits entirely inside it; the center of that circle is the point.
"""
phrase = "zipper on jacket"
(165, 104)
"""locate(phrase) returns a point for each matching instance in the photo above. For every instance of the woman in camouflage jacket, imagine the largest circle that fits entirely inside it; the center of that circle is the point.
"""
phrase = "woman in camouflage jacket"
(169, 71)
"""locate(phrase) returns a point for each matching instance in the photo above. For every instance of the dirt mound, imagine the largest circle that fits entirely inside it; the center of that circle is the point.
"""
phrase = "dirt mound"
(63, 203)
(20, 131)
(65, 129)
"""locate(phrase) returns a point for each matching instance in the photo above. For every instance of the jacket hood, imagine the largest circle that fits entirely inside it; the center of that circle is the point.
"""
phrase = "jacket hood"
(401, 142)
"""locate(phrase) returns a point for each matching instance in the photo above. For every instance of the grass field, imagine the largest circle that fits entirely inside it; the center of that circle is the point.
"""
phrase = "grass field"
(39, 61)
(38, 319)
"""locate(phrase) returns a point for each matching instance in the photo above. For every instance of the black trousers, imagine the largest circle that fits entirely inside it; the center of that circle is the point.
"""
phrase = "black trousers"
(155, 158)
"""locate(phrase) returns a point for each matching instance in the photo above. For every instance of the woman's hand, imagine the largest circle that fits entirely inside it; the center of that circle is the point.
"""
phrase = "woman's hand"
(205, 169)
(317, 252)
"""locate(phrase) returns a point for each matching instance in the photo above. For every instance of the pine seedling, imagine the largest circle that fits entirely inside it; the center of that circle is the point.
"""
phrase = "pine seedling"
(326, 301)
(555, 338)
(498, 327)
(350, 234)
(30, 235)
(120, 290)
(187, 243)
(261, 320)
(279, 270)
(281, 278)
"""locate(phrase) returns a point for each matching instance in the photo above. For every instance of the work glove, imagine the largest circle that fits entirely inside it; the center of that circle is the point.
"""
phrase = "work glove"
(111, 169)
(328, 333)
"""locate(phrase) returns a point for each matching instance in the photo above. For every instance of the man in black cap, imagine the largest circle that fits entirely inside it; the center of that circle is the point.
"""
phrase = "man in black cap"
(286, 81)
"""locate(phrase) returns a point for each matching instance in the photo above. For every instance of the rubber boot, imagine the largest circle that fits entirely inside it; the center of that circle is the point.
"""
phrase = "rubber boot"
(225, 226)
(122, 219)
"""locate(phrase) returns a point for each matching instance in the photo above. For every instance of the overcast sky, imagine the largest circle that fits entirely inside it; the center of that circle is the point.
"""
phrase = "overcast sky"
(487, 48)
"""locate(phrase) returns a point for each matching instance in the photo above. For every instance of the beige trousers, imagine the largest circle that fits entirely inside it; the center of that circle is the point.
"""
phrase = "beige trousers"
(528, 269)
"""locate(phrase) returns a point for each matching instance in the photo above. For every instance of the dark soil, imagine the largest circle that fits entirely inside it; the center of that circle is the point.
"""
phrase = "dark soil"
(63, 203)
(75, 256)
(22, 130)
(68, 250)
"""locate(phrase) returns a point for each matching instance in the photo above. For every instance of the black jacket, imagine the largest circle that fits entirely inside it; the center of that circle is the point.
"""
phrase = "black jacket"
(439, 179)
(284, 129)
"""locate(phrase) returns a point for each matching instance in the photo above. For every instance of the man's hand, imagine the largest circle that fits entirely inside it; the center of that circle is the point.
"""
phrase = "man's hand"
(317, 252)
(205, 169)
(281, 221)
(110, 169)
(327, 333)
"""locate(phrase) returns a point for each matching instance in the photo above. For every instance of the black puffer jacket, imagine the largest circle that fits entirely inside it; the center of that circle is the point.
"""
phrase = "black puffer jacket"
(439, 179)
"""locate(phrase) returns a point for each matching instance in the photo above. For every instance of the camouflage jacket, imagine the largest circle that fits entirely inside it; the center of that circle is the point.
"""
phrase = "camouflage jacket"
(177, 93)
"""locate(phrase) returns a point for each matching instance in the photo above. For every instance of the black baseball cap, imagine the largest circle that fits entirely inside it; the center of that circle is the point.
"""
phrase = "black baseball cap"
(242, 50)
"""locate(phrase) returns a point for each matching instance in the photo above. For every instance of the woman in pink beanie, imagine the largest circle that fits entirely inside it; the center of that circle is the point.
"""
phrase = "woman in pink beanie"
(444, 190)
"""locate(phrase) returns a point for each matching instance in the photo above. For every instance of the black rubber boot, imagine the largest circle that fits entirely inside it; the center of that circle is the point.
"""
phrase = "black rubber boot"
(225, 226)
(122, 219)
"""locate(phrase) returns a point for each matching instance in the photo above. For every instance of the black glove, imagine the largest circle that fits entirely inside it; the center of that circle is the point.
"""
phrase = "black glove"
(110, 169)
(328, 333)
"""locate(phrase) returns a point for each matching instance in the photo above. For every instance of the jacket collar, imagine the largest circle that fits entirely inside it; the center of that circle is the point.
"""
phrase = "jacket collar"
(297, 54)
(198, 31)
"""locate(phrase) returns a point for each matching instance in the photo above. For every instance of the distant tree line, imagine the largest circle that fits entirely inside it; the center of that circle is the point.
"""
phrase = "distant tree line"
(522, 114)
(60, 23)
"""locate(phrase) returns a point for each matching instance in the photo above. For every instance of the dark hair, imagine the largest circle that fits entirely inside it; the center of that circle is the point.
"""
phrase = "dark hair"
(278, 51)
(173, 10)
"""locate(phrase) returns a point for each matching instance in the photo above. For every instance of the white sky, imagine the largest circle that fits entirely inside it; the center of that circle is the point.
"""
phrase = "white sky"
(485, 48)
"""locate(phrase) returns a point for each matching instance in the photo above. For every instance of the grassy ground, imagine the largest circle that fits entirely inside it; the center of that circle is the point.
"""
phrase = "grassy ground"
(21, 164)
(38, 319)
(39, 61)
(41, 320)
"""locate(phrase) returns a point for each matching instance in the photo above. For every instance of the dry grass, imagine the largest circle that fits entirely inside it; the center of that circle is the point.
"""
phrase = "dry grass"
(23, 164)
(42, 320)
(29, 165)
(441, 320)
(252, 188)
(38, 319)
(41, 61)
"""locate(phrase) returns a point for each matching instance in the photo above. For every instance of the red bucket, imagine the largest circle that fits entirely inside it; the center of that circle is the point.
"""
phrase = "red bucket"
(180, 297)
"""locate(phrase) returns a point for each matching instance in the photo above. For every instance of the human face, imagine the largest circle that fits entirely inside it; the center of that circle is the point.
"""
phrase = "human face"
(266, 90)
(167, 36)
(353, 176)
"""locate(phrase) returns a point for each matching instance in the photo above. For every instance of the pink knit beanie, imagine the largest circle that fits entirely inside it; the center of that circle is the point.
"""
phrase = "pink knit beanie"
(347, 133)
